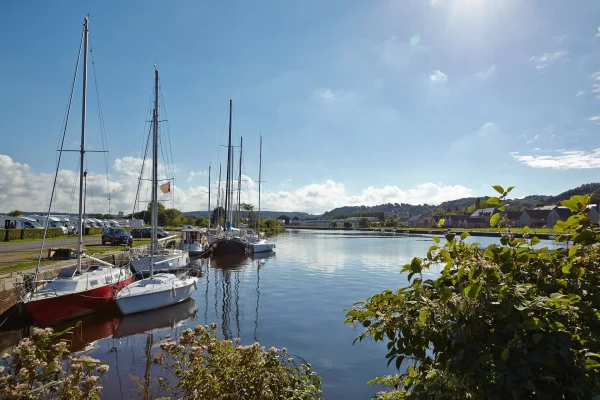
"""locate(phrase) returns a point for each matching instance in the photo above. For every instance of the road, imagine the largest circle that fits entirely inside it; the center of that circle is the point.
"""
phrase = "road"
(9, 247)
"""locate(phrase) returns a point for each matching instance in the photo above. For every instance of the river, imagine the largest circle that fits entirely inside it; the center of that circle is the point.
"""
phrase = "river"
(293, 298)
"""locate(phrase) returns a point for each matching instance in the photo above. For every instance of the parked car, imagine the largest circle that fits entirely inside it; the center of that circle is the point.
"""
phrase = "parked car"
(147, 233)
(116, 236)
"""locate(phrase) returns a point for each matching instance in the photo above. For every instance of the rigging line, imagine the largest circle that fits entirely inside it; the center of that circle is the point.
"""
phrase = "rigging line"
(62, 143)
(137, 194)
(102, 126)
(172, 161)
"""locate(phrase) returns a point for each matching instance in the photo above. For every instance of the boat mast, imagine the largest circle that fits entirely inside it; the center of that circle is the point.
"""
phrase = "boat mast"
(82, 149)
(153, 242)
(229, 163)
(218, 199)
(208, 198)
(239, 212)
(259, 181)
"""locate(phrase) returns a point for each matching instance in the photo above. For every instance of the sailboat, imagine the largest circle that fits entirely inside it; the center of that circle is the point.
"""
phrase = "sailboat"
(75, 292)
(229, 241)
(260, 245)
(162, 289)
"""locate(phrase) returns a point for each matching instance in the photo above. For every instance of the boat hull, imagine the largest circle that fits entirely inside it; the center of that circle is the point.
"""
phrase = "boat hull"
(59, 308)
(226, 246)
(262, 247)
(156, 299)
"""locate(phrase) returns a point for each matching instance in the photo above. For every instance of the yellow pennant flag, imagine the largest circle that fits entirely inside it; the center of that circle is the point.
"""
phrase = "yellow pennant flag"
(165, 187)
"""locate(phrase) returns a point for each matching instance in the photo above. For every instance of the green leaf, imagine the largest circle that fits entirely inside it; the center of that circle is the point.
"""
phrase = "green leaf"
(526, 230)
(566, 268)
(464, 235)
(415, 265)
(505, 354)
(494, 220)
(504, 240)
(510, 188)
(423, 314)
(435, 239)
(494, 201)
(573, 250)
(498, 189)
(537, 337)
(534, 240)
(441, 222)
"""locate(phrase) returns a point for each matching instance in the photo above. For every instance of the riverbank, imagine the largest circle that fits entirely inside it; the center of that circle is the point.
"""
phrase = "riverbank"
(541, 233)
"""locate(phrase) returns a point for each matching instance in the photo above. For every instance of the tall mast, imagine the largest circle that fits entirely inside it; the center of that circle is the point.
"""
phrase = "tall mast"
(153, 241)
(82, 149)
(240, 182)
(208, 198)
(218, 199)
(229, 163)
(259, 182)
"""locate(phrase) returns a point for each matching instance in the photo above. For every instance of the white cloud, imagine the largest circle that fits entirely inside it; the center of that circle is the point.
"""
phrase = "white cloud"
(597, 35)
(487, 74)
(580, 93)
(397, 53)
(595, 88)
(193, 174)
(547, 59)
(438, 76)
(594, 118)
(596, 76)
(326, 94)
(22, 188)
(564, 160)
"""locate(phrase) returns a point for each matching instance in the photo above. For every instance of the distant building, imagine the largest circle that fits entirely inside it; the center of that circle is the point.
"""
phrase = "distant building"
(414, 220)
(295, 221)
(285, 218)
(557, 214)
(473, 222)
(594, 213)
(121, 214)
(534, 218)
(452, 221)
(485, 213)
(513, 218)
(549, 208)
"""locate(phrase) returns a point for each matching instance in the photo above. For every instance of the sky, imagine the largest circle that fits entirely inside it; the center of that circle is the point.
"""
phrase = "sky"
(358, 102)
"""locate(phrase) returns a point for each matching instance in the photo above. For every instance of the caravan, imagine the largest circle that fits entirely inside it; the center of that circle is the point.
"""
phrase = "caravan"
(19, 222)
(53, 222)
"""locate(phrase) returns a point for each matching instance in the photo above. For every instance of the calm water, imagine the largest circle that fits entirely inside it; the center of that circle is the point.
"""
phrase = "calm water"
(294, 299)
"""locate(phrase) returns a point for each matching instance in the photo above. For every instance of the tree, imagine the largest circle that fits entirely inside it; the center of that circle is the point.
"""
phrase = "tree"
(218, 216)
(347, 224)
(15, 213)
(201, 221)
(513, 320)
(364, 223)
(333, 224)
(477, 204)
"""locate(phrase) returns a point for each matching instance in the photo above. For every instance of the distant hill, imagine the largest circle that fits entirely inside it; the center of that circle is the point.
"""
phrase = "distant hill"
(463, 203)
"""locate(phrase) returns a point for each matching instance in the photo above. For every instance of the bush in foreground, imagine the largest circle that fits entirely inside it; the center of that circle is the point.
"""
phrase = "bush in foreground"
(204, 367)
(36, 370)
(508, 321)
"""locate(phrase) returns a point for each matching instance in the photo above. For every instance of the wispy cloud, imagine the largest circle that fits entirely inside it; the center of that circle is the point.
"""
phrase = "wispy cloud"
(487, 74)
(563, 160)
(580, 93)
(597, 33)
(596, 76)
(438, 76)
(193, 174)
(547, 59)
(325, 94)
(594, 118)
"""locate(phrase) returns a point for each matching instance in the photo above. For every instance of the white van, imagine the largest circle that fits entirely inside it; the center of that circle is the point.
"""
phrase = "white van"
(19, 222)
(53, 222)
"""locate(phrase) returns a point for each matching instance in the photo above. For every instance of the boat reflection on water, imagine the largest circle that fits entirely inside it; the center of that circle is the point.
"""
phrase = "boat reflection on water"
(167, 317)
(83, 334)
(263, 256)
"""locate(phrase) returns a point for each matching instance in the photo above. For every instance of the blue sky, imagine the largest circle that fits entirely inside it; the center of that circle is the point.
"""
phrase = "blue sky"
(358, 102)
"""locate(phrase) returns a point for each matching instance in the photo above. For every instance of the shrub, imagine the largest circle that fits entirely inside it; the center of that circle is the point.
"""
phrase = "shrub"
(13, 234)
(39, 233)
(508, 321)
(36, 370)
(2, 235)
(93, 231)
(204, 367)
